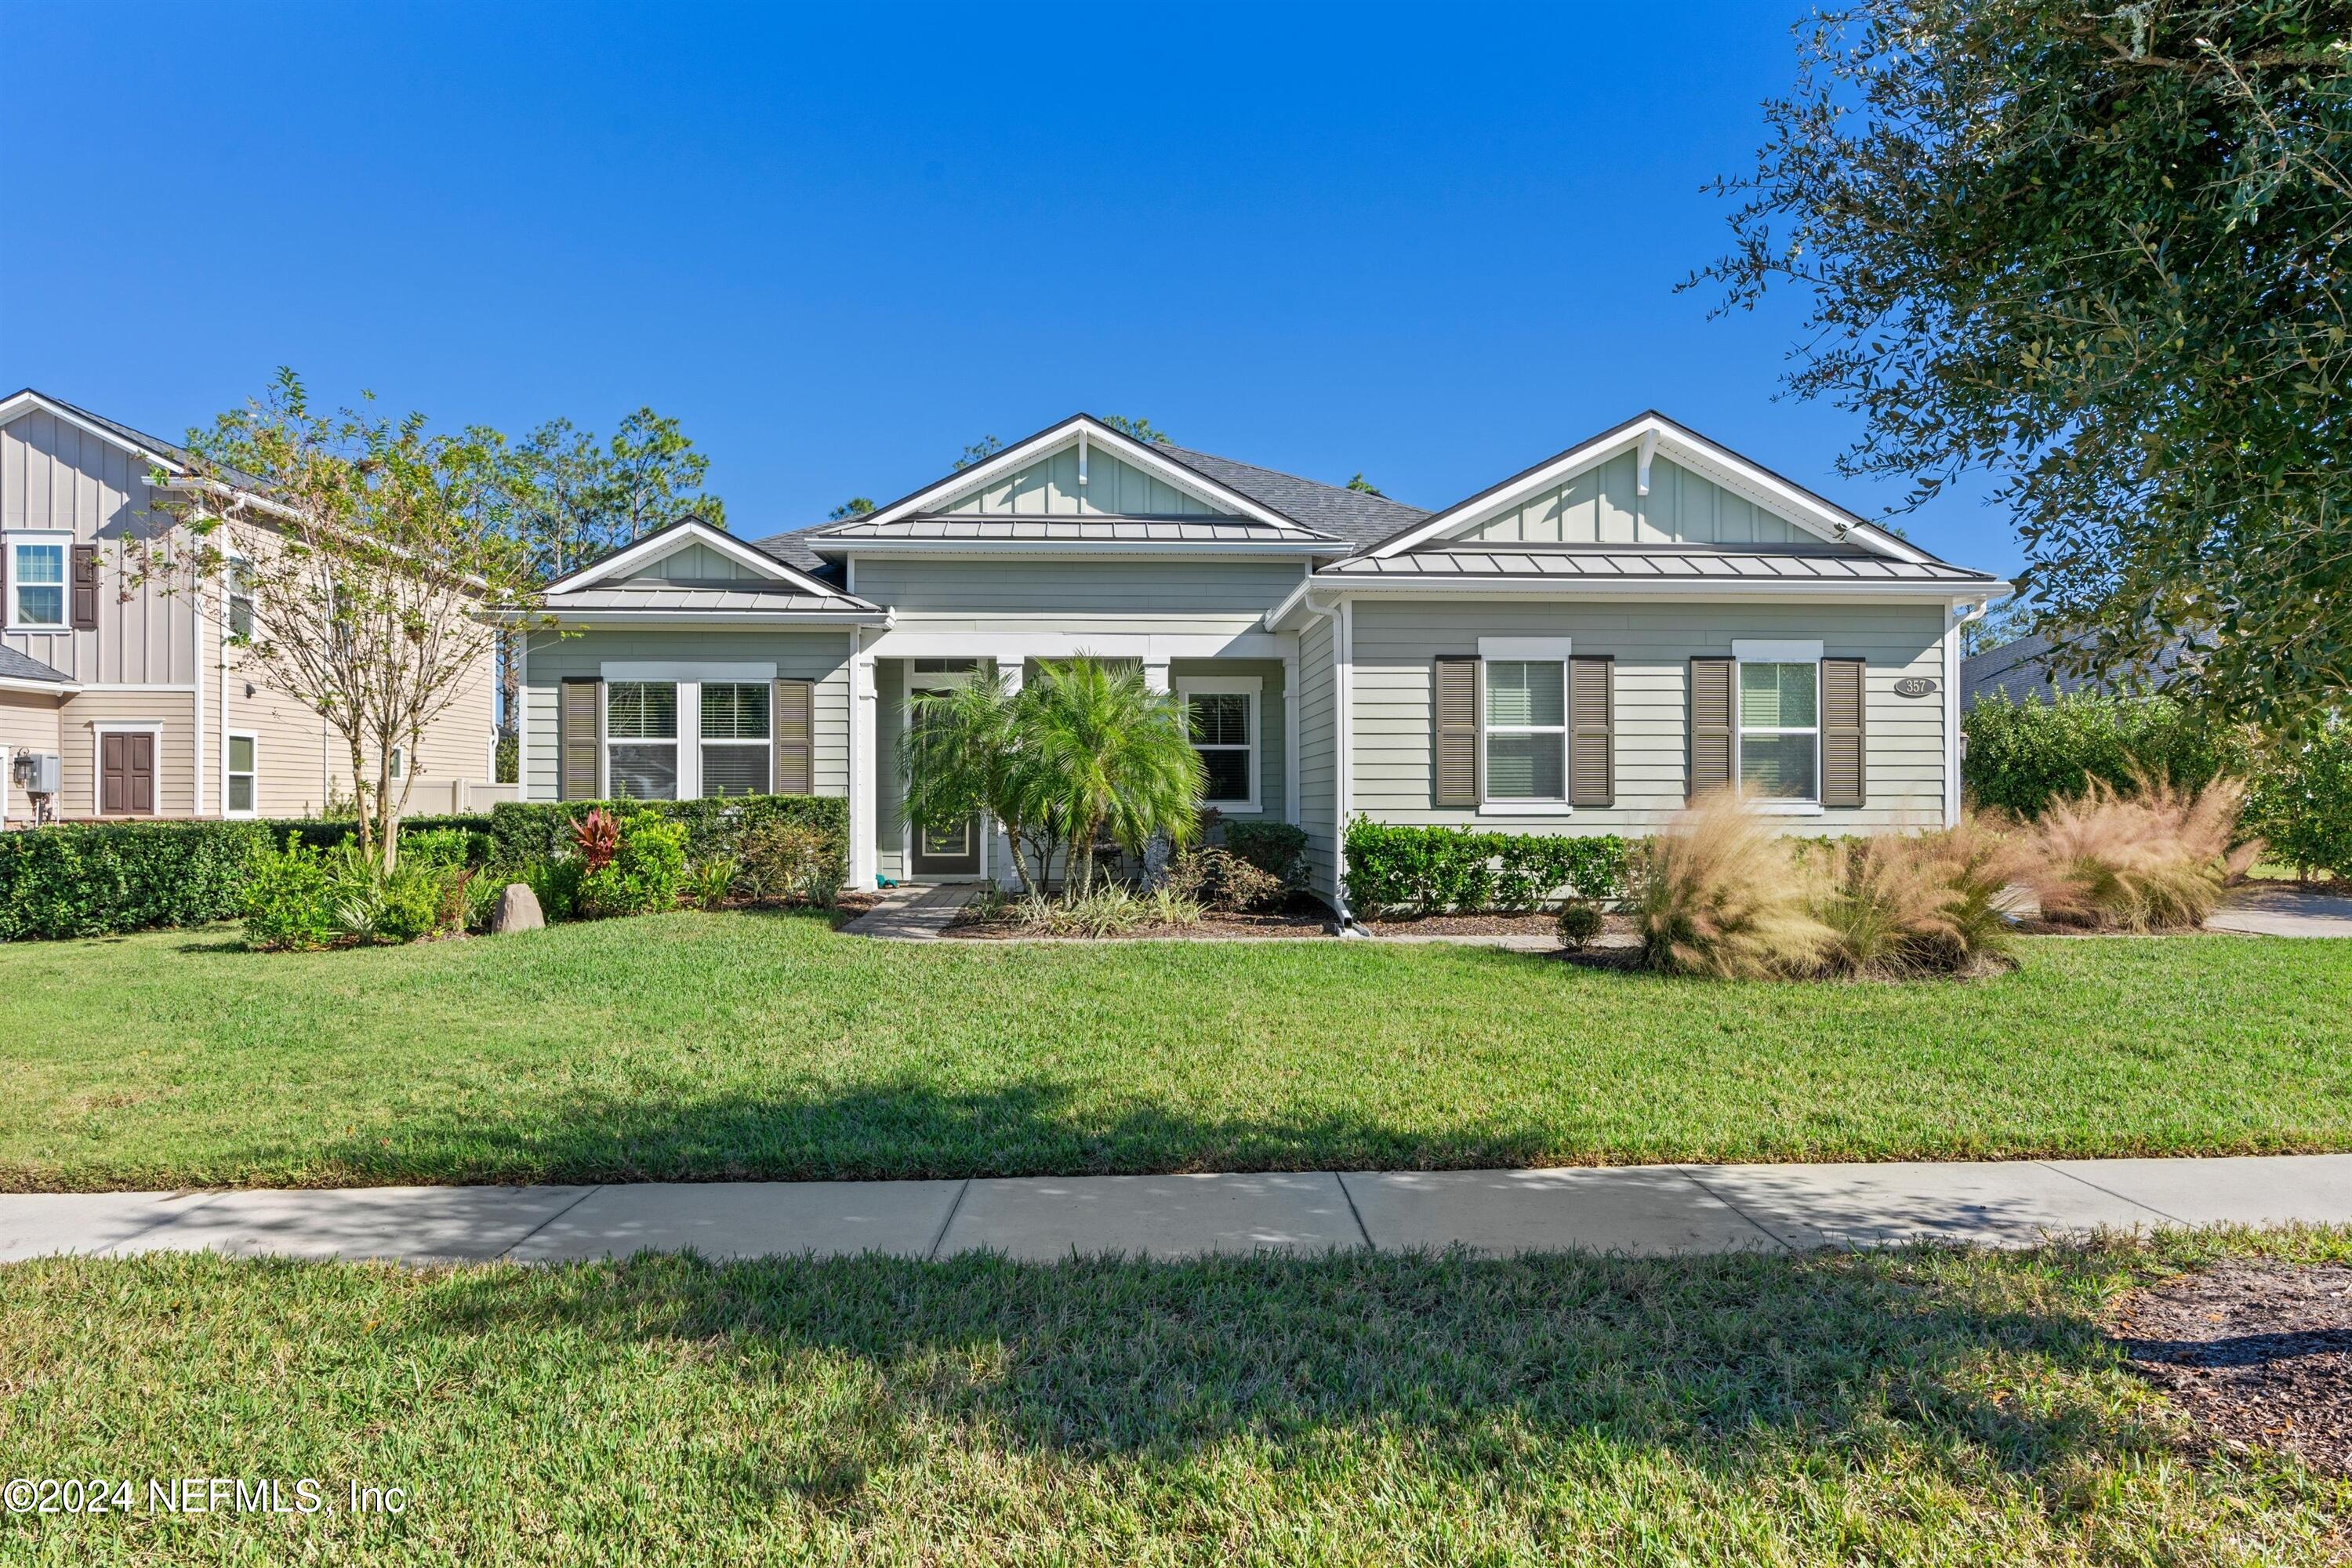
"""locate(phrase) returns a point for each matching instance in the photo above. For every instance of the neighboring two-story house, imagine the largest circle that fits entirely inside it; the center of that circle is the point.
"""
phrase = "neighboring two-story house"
(133, 702)
(1581, 648)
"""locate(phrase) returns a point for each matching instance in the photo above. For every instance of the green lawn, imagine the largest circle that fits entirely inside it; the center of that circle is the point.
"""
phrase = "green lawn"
(709, 1045)
(1922, 1407)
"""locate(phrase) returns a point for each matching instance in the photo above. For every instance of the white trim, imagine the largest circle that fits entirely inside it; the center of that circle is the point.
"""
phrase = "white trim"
(1045, 443)
(1290, 738)
(196, 704)
(9, 541)
(865, 788)
(1776, 650)
(1079, 548)
(672, 540)
(521, 718)
(1961, 614)
(228, 740)
(1538, 648)
(101, 727)
(1148, 647)
(1763, 590)
(1787, 807)
(1343, 735)
(556, 618)
(672, 669)
(1651, 434)
(25, 401)
(1526, 806)
(1253, 688)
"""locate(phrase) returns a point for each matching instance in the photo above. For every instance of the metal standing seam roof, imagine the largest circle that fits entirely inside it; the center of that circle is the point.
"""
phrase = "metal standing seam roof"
(780, 600)
(15, 666)
(933, 527)
(1603, 564)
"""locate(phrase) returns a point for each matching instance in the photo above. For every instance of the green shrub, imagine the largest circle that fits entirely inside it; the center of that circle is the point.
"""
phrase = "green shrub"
(1277, 848)
(2301, 803)
(412, 902)
(556, 883)
(2020, 756)
(331, 832)
(709, 882)
(791, 862)
(1221, 880)
(1430, 870)
(645, 870)
(1579, 922)
(98, 879)
(522, 832)
(288, 899)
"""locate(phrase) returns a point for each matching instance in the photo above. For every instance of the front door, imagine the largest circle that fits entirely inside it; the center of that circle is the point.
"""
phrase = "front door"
(126, 773)
(953, 851)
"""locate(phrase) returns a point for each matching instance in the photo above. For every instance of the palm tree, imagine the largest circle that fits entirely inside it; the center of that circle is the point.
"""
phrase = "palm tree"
(962, 754)
(1111, 755)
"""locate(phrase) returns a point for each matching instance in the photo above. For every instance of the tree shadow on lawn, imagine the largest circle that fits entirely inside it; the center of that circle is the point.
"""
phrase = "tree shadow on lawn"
(1505, 1374)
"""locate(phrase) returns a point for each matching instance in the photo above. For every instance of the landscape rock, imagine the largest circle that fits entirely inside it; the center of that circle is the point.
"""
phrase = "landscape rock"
(518, 910)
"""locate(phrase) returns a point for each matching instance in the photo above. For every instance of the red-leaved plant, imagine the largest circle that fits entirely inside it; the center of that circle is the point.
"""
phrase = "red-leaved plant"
(597, 836)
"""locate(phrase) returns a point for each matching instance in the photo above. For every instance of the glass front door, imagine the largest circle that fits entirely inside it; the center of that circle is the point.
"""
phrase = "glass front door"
(953, 851)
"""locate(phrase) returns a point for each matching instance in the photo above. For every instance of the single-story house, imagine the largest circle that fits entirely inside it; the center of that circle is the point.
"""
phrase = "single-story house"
(1577, 648)
(118, 698)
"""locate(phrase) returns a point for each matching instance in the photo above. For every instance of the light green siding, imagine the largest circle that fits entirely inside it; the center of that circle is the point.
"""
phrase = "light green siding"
(821, 656)
(1140, 594)
(695, 564)
(1652, 644)
(1319, 753)
(1601, 506)
(1049, 487)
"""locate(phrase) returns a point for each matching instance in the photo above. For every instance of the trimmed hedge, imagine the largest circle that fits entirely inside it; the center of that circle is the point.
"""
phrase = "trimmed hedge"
(75, 880)
(2302, 802)
(314, 834)
(1432, 870)
(521, 832)
(2022, 755)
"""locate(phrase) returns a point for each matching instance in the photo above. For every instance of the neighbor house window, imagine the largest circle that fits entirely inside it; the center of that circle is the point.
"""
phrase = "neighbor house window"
(736, 754)
(1527, 729)
(1780, 729)
(641, 740)
(240, 776)
(37, 581)
(240, 602)
(1221, 715)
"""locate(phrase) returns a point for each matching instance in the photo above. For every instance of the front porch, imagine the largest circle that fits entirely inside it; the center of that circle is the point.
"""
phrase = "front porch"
(1242, 703)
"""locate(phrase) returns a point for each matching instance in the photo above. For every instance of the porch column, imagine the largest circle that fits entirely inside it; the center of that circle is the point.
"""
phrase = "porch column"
(1290, 737)
(1010, 674)
(864, 788)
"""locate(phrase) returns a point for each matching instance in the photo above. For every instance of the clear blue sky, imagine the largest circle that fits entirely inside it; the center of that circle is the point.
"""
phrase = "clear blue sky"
(1435, 245)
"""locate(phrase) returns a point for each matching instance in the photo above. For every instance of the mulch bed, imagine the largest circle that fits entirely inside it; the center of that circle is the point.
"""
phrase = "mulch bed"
(1210, 927)
(1485, 925)
(2255, 1354)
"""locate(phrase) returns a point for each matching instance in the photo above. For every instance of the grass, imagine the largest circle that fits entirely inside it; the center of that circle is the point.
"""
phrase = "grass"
(718, 1045)
(1919, 1407)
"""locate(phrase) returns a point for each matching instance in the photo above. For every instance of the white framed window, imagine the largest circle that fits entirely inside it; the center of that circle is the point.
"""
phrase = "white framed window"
(37, 566)
(1526, 725)
(237, 582)
(1221, 715)
(736, 753)
(1779, 723)
(399, 760)
(243, 772)
(641, 740)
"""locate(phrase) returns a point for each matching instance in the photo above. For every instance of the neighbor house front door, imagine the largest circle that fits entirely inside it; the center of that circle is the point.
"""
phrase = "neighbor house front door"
(126, 773)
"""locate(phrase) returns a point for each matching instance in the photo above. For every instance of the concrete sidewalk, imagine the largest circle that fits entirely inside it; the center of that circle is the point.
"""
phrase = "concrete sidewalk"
(1644, 1209)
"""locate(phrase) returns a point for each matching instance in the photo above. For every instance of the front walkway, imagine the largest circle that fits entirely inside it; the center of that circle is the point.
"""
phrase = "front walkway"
(1643, 1209)
(913, 913)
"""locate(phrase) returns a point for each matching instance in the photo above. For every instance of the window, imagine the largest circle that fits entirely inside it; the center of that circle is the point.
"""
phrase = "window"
(399, 760)
(240, 776)
(37, 581)
(240, 602)
(735, 734)
(641, 740)
(1527, 729)
(1220, 714)
(1779, 729)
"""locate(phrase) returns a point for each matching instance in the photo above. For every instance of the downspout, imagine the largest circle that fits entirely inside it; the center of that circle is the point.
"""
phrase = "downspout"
(1956, 743)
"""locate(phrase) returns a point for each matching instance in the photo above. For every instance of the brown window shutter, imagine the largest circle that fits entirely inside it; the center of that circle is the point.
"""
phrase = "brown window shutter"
(1844, 780)
(1455, 762)
(795, 715)
(1591, 723)
(580, 736)
(114, 775)
(1710, 724)
(143, 773)
(84, 587)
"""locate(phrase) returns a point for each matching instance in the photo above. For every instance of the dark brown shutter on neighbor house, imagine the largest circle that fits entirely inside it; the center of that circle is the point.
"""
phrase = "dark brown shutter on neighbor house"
(1592, 719)
(795, 721)
(1843, 771)
(1455, 758)
(84, 587)
(1710, 724)
(578, 738)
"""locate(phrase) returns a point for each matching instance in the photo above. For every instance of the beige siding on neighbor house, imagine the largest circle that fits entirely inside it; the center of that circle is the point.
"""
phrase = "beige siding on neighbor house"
(176, 756)
(1652, 644)
(54, 475)
(28, 723)
(1603, 506)
(1049, 487)
(818, 655)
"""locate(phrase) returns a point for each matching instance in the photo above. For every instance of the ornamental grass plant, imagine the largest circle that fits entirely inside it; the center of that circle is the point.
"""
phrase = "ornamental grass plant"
(2157, 859)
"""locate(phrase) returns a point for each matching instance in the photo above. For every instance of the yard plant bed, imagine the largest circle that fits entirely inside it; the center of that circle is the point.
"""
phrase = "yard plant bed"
(1213, 924)
(1902, 1408)
(2257, 1353)
(705, 1046)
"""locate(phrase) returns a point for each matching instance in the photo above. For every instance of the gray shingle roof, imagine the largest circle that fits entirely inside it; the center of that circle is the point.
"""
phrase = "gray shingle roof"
(1634, 563)
(15, 666)
(1352, 515)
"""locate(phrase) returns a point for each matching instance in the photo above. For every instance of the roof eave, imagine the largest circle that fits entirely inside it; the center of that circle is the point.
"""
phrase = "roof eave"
(1310, 545)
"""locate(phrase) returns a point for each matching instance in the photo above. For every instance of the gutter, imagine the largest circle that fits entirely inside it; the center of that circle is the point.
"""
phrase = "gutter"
(51, 688)
(1668, 587)
(983, 549)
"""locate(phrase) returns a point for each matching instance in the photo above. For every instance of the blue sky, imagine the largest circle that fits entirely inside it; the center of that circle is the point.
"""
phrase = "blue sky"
(1434, 245)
